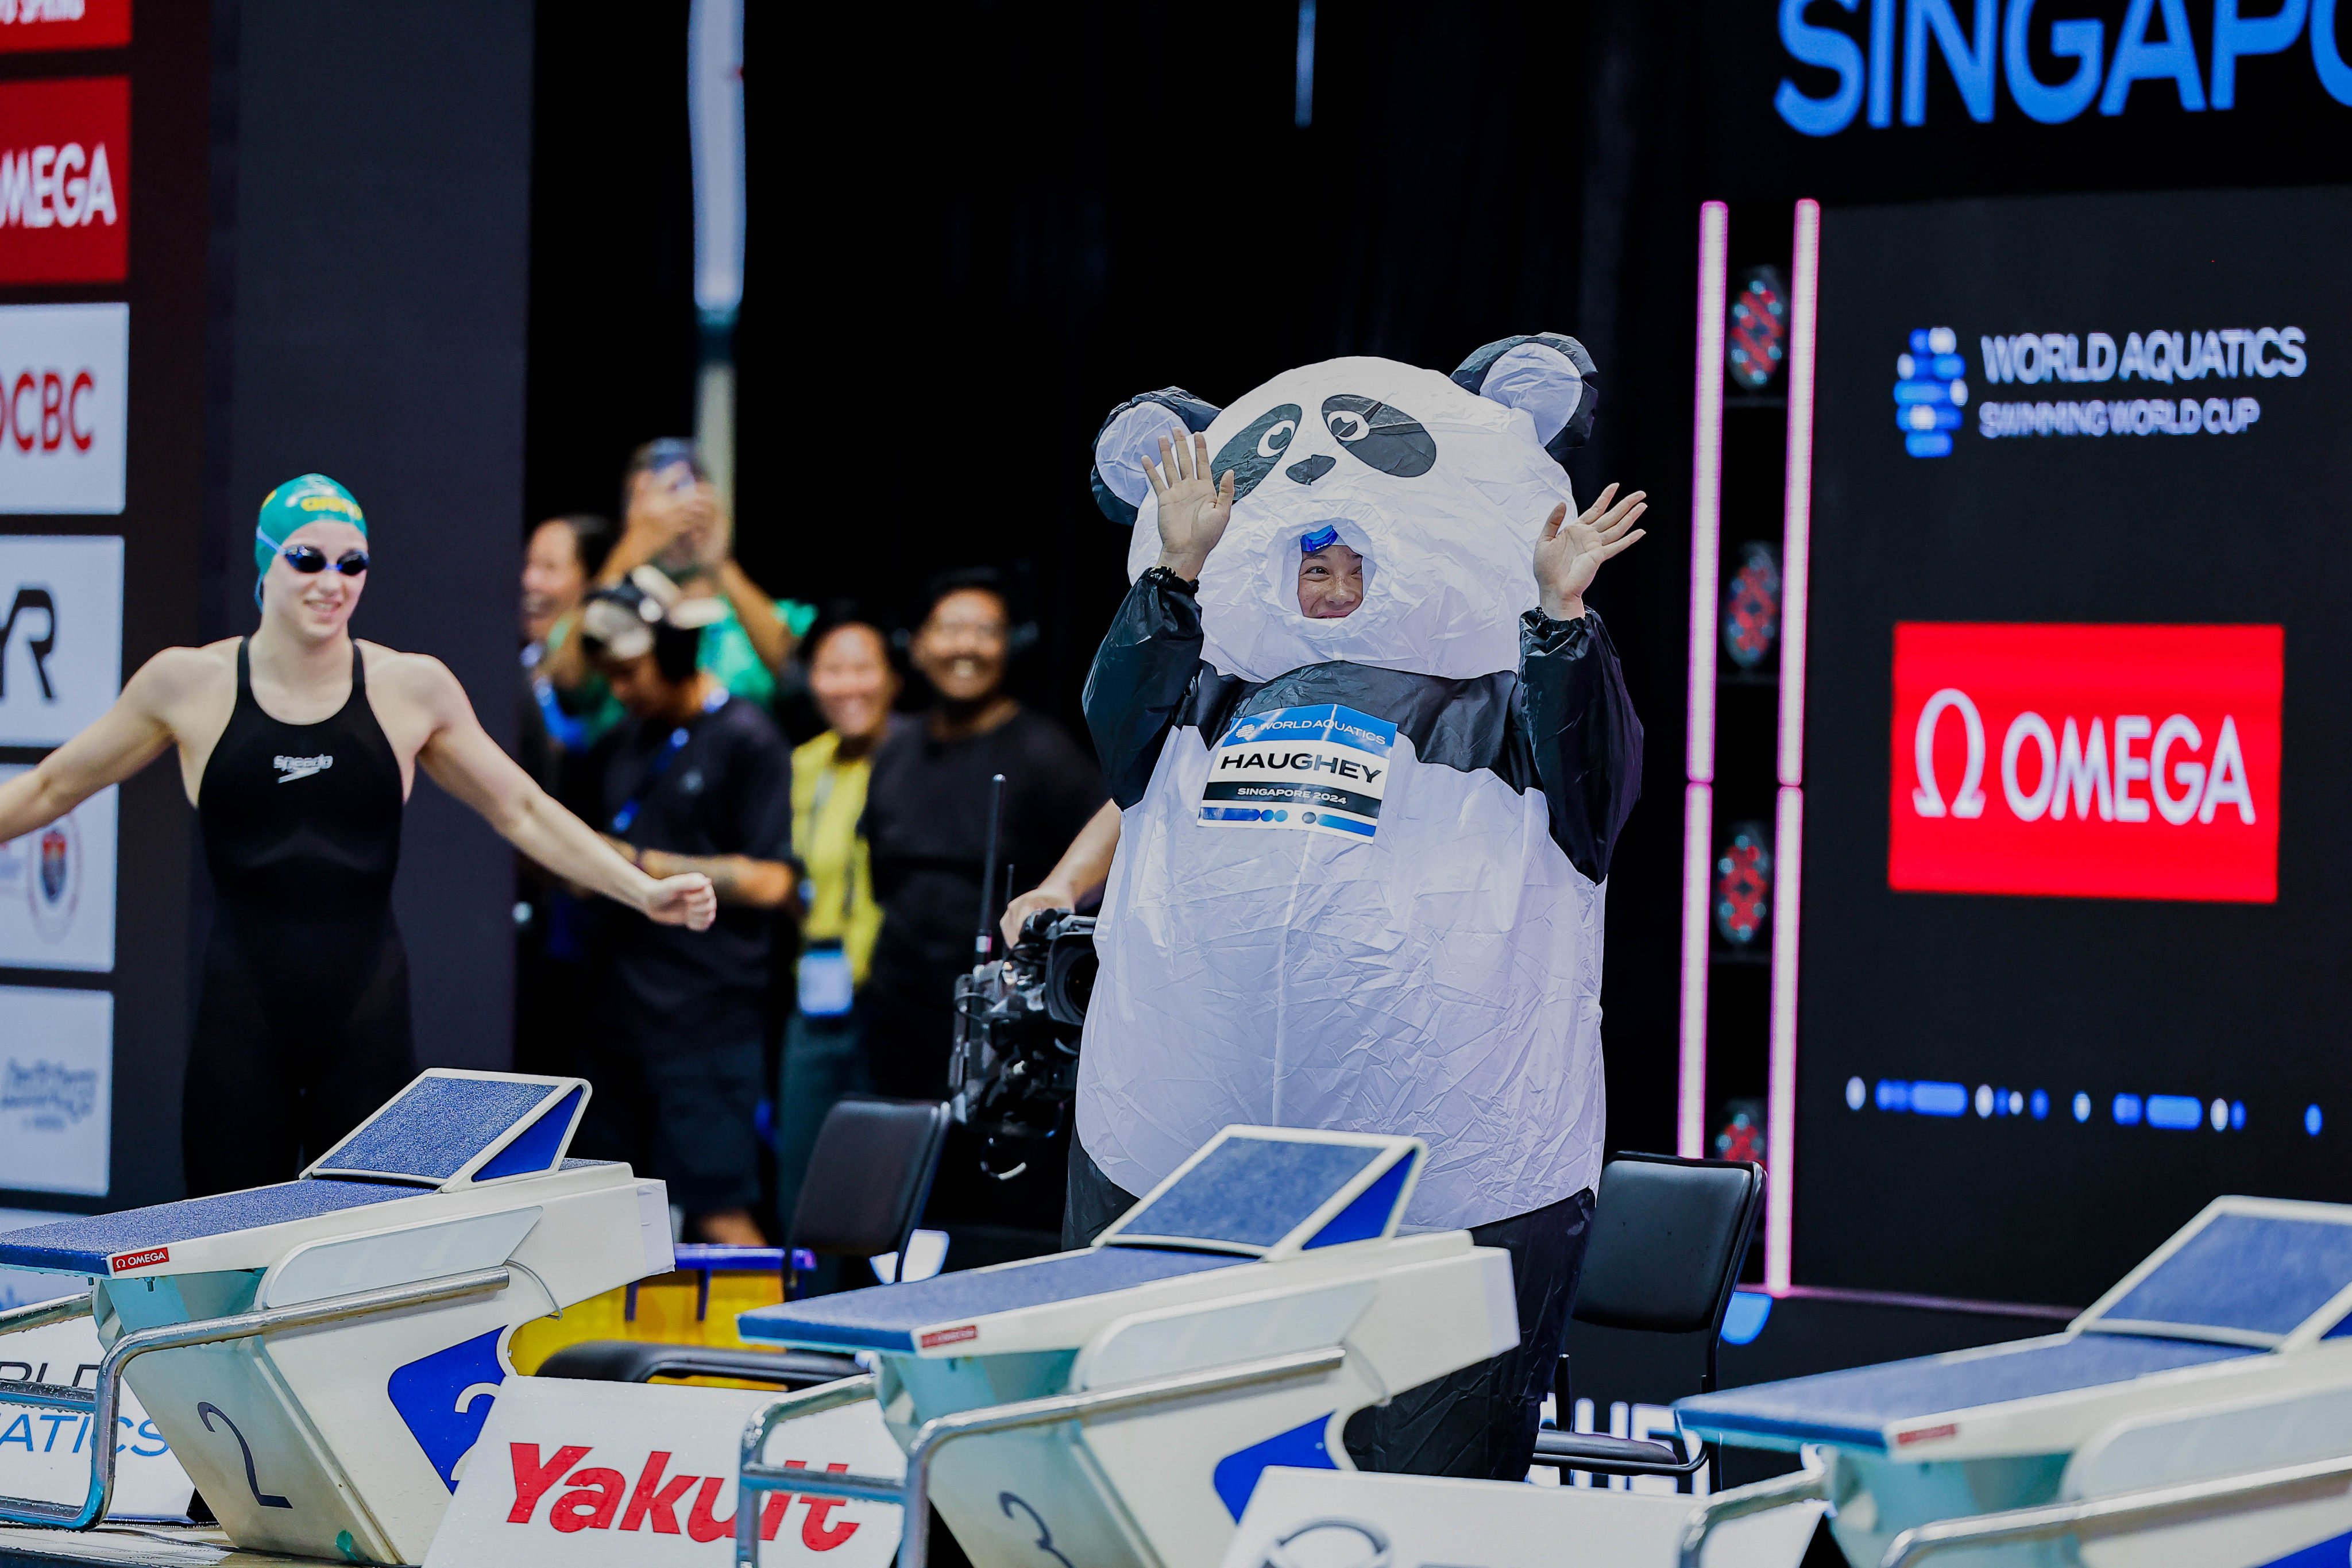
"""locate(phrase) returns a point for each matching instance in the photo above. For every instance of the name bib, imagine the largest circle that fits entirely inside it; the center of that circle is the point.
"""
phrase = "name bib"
(1314, 770)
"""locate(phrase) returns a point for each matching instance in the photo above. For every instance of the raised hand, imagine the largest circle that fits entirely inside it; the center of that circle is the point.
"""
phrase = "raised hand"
(1570, 551)
(1193, 508)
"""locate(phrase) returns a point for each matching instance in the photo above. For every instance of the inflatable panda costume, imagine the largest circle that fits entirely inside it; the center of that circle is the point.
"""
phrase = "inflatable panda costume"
(1361, 868)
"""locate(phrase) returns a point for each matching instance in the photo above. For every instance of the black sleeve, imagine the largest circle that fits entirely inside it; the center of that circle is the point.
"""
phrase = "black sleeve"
(1140, 674)
(1587, 740)
(762, 791)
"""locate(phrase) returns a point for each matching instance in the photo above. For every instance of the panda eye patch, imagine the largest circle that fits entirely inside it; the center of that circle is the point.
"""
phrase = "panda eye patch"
(1257, 447)
(1388, 438)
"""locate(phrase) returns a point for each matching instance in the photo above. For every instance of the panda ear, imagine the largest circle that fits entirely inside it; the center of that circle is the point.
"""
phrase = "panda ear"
(1547, 374)
(1131, 433)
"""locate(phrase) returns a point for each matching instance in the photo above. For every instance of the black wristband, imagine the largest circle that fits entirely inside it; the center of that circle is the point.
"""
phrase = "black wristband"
(1166, 577)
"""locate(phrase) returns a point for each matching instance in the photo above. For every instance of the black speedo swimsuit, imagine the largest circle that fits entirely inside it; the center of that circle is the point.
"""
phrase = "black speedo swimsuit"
(302, 1028)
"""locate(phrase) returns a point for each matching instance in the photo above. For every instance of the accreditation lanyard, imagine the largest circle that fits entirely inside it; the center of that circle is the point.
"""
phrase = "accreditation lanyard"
(627, 814)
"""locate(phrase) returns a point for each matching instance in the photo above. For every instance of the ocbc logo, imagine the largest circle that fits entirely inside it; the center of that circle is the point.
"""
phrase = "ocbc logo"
(45, 410)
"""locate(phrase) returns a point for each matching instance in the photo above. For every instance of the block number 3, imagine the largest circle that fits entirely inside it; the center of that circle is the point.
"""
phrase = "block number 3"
(1045, 1541)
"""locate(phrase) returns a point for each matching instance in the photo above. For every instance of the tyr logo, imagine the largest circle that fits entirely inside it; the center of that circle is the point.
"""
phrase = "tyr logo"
(38, 647)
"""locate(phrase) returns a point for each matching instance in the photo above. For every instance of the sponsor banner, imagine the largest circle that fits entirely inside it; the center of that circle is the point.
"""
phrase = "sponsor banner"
(65, 380)
(57, 1089)
(1344, 1518)
(65, 180)
(608, 1475)
(2127, 761)
(57, 888)
(44, 1454)
(1316, 770)
(63, 25)
(60, 635)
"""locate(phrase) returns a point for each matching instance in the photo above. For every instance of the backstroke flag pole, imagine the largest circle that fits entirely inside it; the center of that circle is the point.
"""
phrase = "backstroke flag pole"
(715, 89)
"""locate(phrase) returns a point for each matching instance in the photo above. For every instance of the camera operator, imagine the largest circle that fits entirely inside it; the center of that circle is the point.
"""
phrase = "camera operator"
(697, 780)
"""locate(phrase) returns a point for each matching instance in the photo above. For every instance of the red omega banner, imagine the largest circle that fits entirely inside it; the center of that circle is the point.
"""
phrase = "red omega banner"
(63, 25)
(65, 180)
(2086, 762)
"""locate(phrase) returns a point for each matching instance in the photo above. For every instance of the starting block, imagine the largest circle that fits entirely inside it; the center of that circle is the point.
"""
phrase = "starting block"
(1116, 1407)
(2197, 1416)
(322, 1354)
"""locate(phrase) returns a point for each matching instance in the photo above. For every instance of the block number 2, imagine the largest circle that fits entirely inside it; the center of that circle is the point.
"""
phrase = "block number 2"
(205, 1413)
(1045, 1541)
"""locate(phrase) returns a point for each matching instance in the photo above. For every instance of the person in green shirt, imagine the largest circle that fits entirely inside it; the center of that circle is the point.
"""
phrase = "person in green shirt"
(678, 541)
(850, 677)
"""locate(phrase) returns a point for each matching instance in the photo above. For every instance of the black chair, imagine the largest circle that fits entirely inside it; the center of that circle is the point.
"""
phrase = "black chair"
(867, 1179)
(1668, 1238)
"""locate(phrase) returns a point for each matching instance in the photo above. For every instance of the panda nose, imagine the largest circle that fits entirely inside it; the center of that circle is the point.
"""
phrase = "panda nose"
(1308, 470)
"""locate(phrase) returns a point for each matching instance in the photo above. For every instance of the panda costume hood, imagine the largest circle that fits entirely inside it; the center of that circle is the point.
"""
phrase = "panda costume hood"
(1359, 883)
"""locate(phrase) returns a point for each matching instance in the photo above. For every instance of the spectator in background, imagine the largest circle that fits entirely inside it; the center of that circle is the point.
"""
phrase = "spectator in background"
(674, 522)
(927, 829)
(553, 733)
(562, 559)
(850, 675)
(694, 778)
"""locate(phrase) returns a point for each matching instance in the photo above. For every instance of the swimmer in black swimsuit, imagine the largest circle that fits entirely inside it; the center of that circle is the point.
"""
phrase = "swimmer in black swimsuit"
(297, 746)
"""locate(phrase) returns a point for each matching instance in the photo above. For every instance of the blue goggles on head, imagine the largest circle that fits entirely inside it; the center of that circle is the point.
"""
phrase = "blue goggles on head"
(1322, 539)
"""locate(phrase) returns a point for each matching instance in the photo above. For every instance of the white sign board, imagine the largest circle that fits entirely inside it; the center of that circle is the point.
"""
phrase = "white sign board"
(57, 888)
(57, 1089)
(65, 377)
(616, 1475)
(60, 633)
(44, 1454)
(1342, 1518)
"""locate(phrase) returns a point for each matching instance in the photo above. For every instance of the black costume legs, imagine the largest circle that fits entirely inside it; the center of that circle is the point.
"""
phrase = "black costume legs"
(1478, 1423)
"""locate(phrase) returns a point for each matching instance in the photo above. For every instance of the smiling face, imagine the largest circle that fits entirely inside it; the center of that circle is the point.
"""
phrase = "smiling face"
(314, 606)
(963, 644)
(554, 578)
(1434, 493)
(850, 675)
(1330, 582)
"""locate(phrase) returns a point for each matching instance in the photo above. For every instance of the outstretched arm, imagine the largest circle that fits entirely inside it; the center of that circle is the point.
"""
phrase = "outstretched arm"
(1153, 650)
(1579, 720)
(1081, 871)
(127, 736)
(463, 758)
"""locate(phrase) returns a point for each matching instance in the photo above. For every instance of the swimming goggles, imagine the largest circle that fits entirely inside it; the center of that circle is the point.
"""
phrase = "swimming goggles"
(310, 561)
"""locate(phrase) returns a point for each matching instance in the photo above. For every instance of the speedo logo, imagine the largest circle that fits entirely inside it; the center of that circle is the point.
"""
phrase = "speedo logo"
(300, 767)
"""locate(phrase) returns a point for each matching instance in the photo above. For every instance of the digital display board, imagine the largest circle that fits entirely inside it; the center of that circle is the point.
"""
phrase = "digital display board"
(2078, 747)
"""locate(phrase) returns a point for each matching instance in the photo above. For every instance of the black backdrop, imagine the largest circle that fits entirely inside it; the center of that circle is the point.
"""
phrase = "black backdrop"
(972, 236)
(975, 230)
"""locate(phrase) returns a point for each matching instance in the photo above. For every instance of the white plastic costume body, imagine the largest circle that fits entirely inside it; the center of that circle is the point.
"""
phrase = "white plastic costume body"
(1419, 956)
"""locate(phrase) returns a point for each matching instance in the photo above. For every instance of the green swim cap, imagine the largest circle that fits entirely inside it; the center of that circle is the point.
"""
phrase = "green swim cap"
(313, 498)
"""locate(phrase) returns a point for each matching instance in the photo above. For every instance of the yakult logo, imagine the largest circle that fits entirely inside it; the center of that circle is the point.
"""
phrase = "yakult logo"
(65, 180)
(581, 1496)
(2084, 761)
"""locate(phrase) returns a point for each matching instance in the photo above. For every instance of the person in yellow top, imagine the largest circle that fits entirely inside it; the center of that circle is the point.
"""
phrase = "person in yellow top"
(850, 675)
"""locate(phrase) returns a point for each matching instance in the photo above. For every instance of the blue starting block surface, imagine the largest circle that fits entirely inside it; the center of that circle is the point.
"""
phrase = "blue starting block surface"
(2241, 1274)
(84, 1245)
(444, 1121)
(1855, 1407)
(888, 1317)
(1250, 1192)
